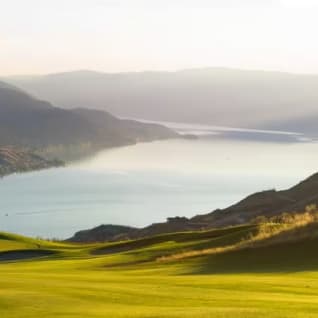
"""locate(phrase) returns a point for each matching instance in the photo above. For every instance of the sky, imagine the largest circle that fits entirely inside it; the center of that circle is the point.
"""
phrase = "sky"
(48, 36)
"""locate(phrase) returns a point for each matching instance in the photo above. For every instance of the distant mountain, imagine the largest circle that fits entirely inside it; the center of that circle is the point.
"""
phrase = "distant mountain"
(26, 121)
(216, 96)
(267, 203)
(303, 124)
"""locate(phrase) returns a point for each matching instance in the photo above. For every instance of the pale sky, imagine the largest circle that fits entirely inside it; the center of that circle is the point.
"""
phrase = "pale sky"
(44, 36)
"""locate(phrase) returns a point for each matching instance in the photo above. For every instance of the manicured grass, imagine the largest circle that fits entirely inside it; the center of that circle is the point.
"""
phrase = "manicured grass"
(271, 281)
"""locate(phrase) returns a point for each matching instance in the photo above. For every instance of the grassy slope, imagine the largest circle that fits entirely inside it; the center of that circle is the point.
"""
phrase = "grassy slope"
(127, 280)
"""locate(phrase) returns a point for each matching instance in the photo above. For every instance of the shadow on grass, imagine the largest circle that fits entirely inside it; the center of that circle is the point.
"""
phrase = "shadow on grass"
(19, 255)
(283, 257)
(179, 237)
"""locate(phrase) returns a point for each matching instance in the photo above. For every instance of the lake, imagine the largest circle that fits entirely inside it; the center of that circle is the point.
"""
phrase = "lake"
(145, 183)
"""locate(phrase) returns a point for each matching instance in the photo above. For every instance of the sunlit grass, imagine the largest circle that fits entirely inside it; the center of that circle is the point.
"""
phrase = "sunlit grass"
(272, 281)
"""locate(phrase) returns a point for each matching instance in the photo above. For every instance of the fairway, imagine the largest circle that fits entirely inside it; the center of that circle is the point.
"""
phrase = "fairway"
(129, 279)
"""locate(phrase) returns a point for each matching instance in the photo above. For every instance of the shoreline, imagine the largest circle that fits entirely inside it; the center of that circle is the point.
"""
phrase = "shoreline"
(78, 153)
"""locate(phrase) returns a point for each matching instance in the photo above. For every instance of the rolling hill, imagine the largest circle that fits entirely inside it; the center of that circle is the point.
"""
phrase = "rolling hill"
(267, 203)
(228, 272)
(217, 96)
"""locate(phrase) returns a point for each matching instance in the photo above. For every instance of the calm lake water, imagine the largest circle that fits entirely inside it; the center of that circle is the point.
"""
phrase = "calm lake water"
(145, 183)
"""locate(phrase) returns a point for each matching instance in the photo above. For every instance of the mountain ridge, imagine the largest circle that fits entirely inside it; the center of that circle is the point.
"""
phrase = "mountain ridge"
(203, 95)
(29, 122)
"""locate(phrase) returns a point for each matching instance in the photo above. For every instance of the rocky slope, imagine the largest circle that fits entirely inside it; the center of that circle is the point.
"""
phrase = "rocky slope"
(13, 160)
(266, 203)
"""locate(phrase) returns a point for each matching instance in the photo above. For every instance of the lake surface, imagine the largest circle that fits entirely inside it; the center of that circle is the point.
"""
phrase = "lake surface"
(145, 183)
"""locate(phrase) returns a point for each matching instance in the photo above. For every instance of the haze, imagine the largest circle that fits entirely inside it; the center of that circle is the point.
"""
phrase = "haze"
(43, 36)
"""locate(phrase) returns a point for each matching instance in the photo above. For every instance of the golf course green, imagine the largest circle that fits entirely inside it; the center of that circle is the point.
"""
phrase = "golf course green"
(190, 274)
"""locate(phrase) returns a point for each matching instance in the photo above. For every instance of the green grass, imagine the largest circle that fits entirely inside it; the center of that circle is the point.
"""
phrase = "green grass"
(127, 279)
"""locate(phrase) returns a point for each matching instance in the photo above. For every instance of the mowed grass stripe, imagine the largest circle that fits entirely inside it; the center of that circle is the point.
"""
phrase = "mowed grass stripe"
(133, 283)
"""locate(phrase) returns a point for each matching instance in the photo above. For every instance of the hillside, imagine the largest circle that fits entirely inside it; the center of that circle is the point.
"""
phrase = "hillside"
(29, 122)
(266, 203)
(13, 160)
(206, 96)
(250, 271)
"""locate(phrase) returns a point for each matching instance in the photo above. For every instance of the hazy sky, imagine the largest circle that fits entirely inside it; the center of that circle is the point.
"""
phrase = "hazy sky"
(40, 36)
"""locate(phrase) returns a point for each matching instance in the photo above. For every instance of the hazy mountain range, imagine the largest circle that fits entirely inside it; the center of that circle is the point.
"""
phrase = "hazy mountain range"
(29, 122)
(218, 96)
